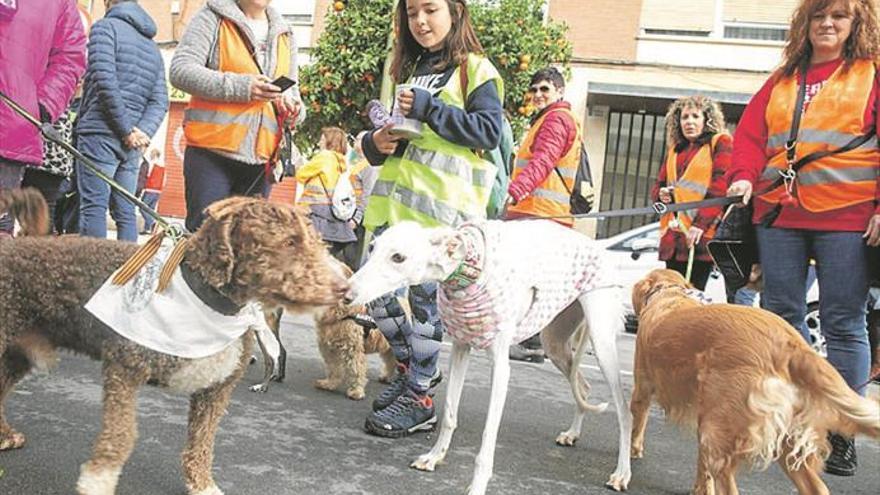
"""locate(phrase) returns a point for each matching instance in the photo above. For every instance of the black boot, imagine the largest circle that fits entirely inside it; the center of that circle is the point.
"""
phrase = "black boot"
(842, 461)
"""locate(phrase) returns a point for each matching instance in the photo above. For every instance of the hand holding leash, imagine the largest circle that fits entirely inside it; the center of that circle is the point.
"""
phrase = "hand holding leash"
(666, 194)
(872, 233)
(741, 188)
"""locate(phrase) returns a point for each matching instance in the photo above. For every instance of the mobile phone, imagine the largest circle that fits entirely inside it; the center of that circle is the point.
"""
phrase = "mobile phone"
(283, 83)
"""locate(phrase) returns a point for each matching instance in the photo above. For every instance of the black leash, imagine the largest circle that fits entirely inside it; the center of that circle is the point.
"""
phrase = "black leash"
(656, 208)
(51, 134)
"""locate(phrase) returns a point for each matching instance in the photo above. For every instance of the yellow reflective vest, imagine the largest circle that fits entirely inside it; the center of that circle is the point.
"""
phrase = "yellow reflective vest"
(437, 182)
(244, 128)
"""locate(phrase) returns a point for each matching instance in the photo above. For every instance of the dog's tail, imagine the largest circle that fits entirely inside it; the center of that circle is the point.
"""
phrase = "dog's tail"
(28, 207)
(849, 413)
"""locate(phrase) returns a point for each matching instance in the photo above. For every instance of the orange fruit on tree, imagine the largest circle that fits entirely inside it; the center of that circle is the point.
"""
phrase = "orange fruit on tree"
(338, 6)
(525, 58)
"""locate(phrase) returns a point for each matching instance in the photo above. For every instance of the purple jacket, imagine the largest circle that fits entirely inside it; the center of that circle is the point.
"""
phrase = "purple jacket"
(42, 57)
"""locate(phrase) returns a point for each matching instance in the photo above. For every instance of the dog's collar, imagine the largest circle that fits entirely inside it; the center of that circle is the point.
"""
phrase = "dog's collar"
(471, 267)
(690, 292)
(209, 295)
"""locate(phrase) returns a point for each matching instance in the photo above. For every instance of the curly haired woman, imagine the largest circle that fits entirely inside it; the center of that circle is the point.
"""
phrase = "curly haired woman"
(696, 163)
(829, 211)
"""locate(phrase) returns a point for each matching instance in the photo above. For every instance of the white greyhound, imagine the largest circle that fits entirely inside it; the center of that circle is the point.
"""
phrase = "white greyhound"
(502, 282)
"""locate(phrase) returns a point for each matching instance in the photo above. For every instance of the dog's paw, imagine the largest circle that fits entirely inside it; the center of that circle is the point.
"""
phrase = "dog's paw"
(426, 462)
(618, 481)
(355, 393)
(326, 384)
(12, 440)
(567, 439)
(637, 452)
(211, 490)
(259, 388)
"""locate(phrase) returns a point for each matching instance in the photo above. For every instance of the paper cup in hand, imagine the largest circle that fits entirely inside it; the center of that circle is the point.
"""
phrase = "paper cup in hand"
(408, 128)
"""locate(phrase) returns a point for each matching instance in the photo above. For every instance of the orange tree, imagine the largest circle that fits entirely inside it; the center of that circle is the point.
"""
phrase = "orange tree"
(346, 65)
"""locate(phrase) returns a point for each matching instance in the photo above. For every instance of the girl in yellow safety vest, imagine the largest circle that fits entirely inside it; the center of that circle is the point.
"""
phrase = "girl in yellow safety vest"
(316, 180)
(454, 93)
(696, 162)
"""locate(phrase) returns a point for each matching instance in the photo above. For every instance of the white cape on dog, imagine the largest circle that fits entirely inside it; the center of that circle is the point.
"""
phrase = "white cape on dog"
(174, 322)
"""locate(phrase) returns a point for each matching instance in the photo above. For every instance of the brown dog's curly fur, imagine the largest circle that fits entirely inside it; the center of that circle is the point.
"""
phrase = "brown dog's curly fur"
(745, 379)
(344, 346)
(248, 249)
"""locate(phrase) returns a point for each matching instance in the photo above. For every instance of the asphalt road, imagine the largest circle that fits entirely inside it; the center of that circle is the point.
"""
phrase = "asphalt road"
(299, 440)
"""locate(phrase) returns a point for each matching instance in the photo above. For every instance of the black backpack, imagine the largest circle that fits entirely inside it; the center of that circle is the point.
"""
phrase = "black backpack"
(581, 195)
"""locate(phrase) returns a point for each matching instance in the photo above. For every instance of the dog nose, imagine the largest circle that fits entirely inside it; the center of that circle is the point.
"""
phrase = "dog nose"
(348, 297)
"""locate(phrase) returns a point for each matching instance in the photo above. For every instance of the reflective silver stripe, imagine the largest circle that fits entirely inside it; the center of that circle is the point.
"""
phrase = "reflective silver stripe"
(835, 139)
(551, 195)
(691, 186)
(423, 204)
(313, 188)
(837, 175)
(770, 173)
(568, 173)
(225, 118)
(452, 165)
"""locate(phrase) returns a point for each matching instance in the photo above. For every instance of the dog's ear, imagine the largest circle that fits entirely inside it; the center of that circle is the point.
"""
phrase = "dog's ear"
(640, 290)
(216, 237)
(450, 248)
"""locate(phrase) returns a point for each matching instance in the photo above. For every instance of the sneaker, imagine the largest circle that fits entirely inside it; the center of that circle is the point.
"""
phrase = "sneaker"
(842, 461)
(398, 386)
(408, 414)
(519, 352)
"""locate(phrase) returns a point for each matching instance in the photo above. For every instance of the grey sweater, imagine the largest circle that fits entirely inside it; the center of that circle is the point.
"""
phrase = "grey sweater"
(194, 67)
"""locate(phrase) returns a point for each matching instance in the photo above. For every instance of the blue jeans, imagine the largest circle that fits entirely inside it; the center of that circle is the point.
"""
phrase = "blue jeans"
(209, 177)
(842, 270)
(150, 199)
(121, 165)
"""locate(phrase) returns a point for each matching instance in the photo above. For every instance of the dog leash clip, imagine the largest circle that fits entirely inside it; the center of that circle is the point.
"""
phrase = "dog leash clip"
(659, 207)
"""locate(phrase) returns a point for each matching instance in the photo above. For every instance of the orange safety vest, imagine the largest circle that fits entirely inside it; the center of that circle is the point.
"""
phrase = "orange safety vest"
(551, 197)
(692, 186)
(834, 117)
(244, 128)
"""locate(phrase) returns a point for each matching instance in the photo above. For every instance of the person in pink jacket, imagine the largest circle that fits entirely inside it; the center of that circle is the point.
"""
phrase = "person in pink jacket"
(41, 60)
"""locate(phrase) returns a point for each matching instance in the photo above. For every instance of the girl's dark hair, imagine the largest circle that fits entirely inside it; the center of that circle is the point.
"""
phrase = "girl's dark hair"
(461, 40)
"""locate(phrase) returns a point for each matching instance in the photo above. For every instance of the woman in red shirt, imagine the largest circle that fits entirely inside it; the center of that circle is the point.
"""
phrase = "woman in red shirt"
(829, 210)
(694, 169)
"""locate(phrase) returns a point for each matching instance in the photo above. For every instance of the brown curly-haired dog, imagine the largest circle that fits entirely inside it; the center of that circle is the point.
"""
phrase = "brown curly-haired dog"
(247, 250)
(344, 344)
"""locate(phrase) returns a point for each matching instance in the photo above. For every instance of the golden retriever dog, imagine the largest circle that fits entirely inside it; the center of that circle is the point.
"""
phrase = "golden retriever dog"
(746, 380)
(247, 251)
(344, 344)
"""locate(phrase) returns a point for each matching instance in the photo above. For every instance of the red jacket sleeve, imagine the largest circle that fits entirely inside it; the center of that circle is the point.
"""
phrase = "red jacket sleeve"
(721, 158)
(661, 181)
(749, 141)
(553, 140)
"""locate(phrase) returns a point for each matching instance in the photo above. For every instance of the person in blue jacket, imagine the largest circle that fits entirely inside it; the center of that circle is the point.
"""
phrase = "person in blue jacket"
(124, 100)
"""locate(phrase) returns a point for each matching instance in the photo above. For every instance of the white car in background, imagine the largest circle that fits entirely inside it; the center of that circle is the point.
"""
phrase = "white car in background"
(634, 253)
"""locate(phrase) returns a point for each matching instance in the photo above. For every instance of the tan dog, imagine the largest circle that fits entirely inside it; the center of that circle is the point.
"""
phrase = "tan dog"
(746, 380)
(344, 344)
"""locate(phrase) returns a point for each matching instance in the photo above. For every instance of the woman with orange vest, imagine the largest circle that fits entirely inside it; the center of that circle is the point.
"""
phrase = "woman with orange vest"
(226, 60)
(696, 162)
(827, 208)
(549, 154)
